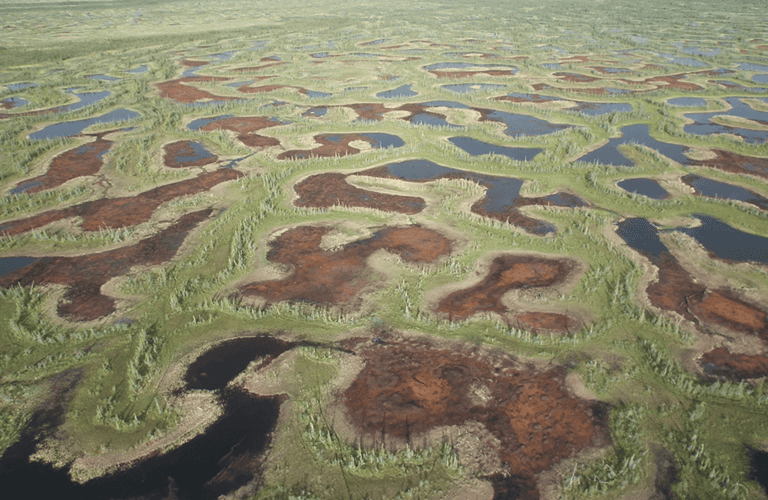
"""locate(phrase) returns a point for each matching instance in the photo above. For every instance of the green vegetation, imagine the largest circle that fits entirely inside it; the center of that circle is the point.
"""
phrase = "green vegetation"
(630, 355)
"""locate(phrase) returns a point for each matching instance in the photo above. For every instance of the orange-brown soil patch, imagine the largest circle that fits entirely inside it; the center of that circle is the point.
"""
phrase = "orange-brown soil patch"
(537, 321)
(507, 272)
(738, 164)
(336, 278)
(6, 104)
(332, 189)
(532, 98)
(721, 307)
(409, 387)
(259, 68)
(192, 64)
(668, 82)
(244, 127)
(330, 145)
(721, 362)
(608, 70)
(575, 78)
(675, 290)
(181, 149)
(81, 161)
(84, 275)
(179, 92)
(122, 212)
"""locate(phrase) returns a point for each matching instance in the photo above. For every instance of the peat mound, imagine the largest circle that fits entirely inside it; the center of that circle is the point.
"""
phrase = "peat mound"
(338, 277)
(737, 164)
(721, 362)
(332, 189)
(78, 162)
(178, 91)
(84, 275)
(551, 322)
(244, 127)
(114, 213)
(409, 387)
(507, 272)
(332, 145)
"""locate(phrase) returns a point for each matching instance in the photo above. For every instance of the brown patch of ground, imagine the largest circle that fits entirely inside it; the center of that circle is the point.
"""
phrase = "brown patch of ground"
(332, 189)
(122, 212)
(180, 149)
(330, 145)
(668, 82)
(244, 127)
(409, 387)
(575, 78)
(337, 277)
(738, 164)
(81, 161)
(734, 366)
(507, 272)
(538, 321)
(674, 290)
(177, 90)
(532, 98)
(721, 307)
(84, 275)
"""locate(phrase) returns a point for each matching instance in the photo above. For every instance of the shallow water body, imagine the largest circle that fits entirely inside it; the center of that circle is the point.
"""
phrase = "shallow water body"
(717, 189)
(637, 134)
(68, 129)
(645, 187)
(477, 148)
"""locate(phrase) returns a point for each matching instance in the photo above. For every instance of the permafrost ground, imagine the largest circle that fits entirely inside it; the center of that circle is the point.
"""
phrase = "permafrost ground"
(434, 251)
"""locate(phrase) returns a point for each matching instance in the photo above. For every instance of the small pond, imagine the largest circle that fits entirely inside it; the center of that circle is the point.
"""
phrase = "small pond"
(726, 242)
(20, 86)
(753, 67)
(68, 129)
(138, 71)
(198, 152)
(644, 186)
(634, 134)
(703, 124)
(401, 91)
(13, 102)
(103, 77)
(642, 236)
(476, 148)
(760, 78)
(11, 264)
(600, 108)
(717, 189)
(688, 102)
(518, 125)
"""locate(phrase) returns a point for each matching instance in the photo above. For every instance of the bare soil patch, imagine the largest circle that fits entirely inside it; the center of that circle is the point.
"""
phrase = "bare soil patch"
(410, 387)
(84, 275)
(330, 145)
(122, 212)
(720, 362)
(736, 163)
(181, 149)
(245, 128)
(336, 278)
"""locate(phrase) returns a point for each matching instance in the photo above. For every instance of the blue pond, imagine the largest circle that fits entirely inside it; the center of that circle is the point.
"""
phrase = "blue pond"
(315, 94)
(601, 108)
(753, 67)
(642, 236)
(645, 187)
(726, 242)
(102, 77)
(68, 129)
(402, 91)
(716, 189)
(477, 148)
(760, 78)
(518, 125)
(316, 111)
(11, 264)
(704, 126)
(20, 86)
(688, 102)
(138, 71)
(384, 140)
(198, 153)
(202, 122)
(15, 102)
(634, 134)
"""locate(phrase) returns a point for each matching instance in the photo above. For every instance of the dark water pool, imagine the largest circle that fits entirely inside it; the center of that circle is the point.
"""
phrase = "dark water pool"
(600, 108)
(138, 71)
(14, 102)
(637, 134)
(645, 187)
(688, 102)
(381, 140)
(758, 467)
(476, 148)
(103, 77)
(518, 124)
(11, 264)
(401, 91)
(753, 67)
(704, 126)
(68, 129)
(316, 111)
(739, 87)
(202, 122)
(642, 236)
(761, 78)
(316, 94)
(198, 153)
(726, 242)
(20, 86)
(717, 189)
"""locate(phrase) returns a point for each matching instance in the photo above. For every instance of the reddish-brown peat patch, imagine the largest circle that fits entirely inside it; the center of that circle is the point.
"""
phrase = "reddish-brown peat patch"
(122, 212)
(178, 91)
(409, 387)
(332, 189)
(720, 362)
(507, 272)
(84, 275)
(78, 162)
(736, 163)
(337, 277)
(543, 321)
(330, 145)
(244, 127)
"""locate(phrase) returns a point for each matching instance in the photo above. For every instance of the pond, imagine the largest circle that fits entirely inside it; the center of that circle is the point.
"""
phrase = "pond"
(688, 102)
(716, 189)
(518, 125)
(11, 264)
(760, 78)
(634, 134)
(600, 108)
(401, 91)
(103, 77)
(703, 124)
(642, 236)
(726, 242)
(138, 71)
(644, 186)
(476, 148)
(316, 94)
(13, 102)
(69, 129)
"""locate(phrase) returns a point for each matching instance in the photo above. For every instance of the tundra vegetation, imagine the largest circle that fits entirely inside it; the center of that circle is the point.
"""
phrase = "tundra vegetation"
(179, 174)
